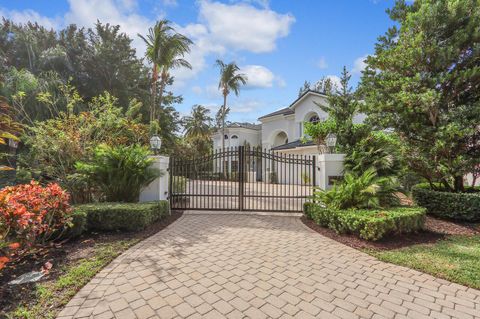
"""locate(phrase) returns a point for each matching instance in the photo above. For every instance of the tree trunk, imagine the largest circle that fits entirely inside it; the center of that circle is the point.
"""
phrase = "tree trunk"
(223, 121)
(458, 184)
(154, 92)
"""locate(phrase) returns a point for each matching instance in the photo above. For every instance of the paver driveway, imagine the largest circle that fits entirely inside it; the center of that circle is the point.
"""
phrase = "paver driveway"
(243, 266)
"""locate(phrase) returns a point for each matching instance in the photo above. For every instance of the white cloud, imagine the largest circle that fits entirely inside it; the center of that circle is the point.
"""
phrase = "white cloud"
(322, 63)
(258, 76)
(244, 27)
(197, 90)
(359, 64)
(335, 80)
(31, 15)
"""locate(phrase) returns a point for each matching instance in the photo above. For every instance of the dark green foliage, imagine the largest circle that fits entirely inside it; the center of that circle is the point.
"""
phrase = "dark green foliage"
(119, 172)
(78, 224)
(457, 206)
(367, 224)
(123, 216)
(423, 82)
(366, 190)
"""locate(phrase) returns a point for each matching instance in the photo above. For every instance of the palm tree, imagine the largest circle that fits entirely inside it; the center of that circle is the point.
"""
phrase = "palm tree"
(198, 123)
(165, 50)
(230, 80)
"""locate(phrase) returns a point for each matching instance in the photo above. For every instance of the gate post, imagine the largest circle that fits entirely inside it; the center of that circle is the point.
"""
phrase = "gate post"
(158, 189)
(241, 178)
(330, 169)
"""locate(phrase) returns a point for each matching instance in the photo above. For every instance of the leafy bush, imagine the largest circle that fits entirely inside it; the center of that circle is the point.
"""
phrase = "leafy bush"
(458, 206)
(364, 191)
(53, 147)
(367, 224)
(31, 214)
(119, 172)
(123, 216)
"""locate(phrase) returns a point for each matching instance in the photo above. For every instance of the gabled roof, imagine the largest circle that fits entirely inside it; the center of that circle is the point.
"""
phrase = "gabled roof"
(290, 109)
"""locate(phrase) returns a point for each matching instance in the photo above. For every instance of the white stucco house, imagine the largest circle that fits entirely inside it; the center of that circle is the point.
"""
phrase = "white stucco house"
(281, 130)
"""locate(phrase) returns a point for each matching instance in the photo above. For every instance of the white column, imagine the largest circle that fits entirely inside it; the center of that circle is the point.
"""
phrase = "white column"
(329, 168)
(158, 189)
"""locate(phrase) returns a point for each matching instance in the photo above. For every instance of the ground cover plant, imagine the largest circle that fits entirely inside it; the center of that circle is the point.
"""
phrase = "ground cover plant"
(74, 264)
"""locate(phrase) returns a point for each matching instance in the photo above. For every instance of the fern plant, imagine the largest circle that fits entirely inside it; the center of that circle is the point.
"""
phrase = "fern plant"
(359, 191)
(119, 172)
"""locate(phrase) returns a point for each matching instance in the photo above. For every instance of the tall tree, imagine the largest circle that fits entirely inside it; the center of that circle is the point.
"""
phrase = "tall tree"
(342, 106)
(165, 50)
(198, 127)
(424, 82)
(230, 80)
(198, 123)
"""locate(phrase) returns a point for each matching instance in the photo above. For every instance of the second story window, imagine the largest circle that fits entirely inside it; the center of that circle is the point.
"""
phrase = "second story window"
(226, 136)
(234, 137)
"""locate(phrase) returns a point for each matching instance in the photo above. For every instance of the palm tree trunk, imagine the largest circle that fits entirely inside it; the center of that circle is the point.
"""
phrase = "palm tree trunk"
(154, 92)
(163, 81)
(223, 121)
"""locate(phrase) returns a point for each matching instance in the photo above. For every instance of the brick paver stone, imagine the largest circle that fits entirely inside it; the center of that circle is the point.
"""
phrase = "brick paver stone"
(248, 266)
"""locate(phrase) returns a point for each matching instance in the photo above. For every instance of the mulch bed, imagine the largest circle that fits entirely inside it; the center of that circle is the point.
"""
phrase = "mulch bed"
(435, 229)
(61, 255)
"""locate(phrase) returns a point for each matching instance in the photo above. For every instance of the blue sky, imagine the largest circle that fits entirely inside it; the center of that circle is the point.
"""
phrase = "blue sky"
(278, 43)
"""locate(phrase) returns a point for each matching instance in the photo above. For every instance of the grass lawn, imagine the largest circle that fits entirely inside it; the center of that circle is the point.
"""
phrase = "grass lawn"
(456, 259)
(48, 297)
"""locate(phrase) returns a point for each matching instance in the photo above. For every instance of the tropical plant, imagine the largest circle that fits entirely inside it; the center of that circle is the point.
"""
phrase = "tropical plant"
(119, 172)
(31, 214)
(198, 123)
(379, 150)
(198, 129)
(359, 191)
(423, 82)
(230, 80)
(9, 128)
(165, 50)
(54, 146)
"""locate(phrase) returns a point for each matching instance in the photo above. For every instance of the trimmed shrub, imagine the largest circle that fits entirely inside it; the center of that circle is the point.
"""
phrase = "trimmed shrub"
(372, 224)
(457, 206)
(77, 226)
(123, 216)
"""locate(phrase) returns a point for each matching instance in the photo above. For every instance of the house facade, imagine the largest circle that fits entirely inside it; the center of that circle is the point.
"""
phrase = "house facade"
(282, 130)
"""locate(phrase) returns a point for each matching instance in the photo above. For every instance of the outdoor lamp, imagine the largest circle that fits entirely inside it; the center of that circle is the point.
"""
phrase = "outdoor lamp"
(331, 141)
(155, 143)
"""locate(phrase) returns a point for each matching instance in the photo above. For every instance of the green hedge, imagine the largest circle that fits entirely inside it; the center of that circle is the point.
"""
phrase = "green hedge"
(458, 206)
(121, 216)
(371, 224)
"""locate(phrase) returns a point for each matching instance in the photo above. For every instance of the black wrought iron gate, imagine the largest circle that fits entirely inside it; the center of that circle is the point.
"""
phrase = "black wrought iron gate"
(242, 178)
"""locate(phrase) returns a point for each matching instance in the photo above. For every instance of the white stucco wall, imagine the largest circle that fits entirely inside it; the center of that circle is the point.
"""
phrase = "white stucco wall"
(253, 137)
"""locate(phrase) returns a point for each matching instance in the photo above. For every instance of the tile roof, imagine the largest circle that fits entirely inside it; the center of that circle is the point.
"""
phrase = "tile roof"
(294, 144)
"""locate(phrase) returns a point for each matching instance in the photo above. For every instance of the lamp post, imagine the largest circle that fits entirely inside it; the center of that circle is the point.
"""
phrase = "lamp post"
(331, 141)
(155, 143)
(13, 144)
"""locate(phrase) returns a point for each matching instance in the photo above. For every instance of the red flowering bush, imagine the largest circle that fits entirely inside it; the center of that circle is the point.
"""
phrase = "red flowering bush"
(31, 214)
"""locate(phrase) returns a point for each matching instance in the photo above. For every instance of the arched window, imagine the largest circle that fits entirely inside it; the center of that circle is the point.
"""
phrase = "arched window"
(234, 137)
(314, 119)
(226, 136)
